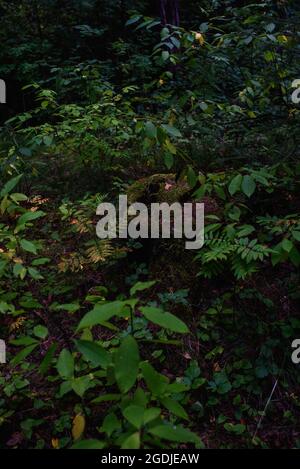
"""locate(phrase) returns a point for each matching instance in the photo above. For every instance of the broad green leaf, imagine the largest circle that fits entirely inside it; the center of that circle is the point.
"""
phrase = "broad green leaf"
(81, 384)
(191, 177)
(23, 341)
(41, 261)
(287, 245)
(47, 360)
(65, 388)
(235, 184)
(135, 415)
(150, 130)
(25, 151)
(164, 319)
(70, 307)
(172, 131)
(17, 197)
(28, 246)
(107, 398)
(165, 55)
(133, 20)
(170, 147)
(34, 273)
(294, 256)
(20, 357)
(127, 361)
(238, 428)
(27, 217)
(132, 442)
(10, 185)
(140, 398)
(174, 407)
(65, 364)
(248, 185)
(151, 414)
(156, 382)
(140, 286)
(110, 424)
(296, 235)
(40, 331)
(177, 387)
(168, 160)
(101, 313)
(93, 352)
(19, 271)
(174, 433)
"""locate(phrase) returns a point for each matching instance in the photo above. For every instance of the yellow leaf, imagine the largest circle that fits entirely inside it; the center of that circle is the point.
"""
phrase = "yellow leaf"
(78, 426)
(55, 443)
(199, 37)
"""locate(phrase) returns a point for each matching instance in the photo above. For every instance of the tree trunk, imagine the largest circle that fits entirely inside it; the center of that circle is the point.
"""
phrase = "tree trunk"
(169, 12)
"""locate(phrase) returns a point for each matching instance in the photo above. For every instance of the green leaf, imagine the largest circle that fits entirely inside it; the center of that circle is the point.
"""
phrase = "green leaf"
(22, 355)
(150, 130)
(248, 186)
(170, 147)
(296, 235)
(65, 364)
(237, 429)
(235, 184)
(8, 187)
(34, 273)
(164, 319)
(107, 398)
(140, 286)
(269, 56)
(135, 415)
(19, 271)
(23, 341)
(28, 216)
(40, 331)
(47, 360)
(191, 177)
(133, 20)
(174, 407)
(127, 361)
(156, 382)
(294, 256)
(261, 371)
(174, 433)
(287, 245)
(17, 197)
(25, 151)
(172, 131)
(28, 246)
(89, 444)
(165, 55)
(168, 160)
(40, 261)
(80, 385)
(110, 424)
(70, 307)
(151, 414)
(132, 442)
(93, 352)
(101, 313)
